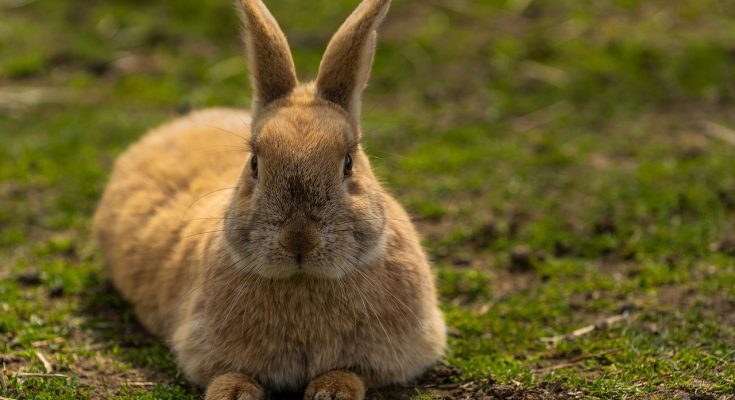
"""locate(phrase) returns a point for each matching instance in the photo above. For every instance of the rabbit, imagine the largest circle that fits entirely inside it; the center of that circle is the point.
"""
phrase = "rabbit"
(283, 266)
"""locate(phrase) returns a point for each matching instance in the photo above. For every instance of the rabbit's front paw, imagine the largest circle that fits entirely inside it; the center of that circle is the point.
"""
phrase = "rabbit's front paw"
(233, 386)
(336, 385)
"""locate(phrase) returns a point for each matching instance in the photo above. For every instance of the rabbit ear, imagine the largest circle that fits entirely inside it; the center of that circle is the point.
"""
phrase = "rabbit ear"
(345, 67)
(272, 71)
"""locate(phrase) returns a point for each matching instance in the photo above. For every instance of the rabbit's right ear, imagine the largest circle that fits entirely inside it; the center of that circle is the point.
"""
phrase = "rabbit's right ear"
(272, 71)
(345, 67)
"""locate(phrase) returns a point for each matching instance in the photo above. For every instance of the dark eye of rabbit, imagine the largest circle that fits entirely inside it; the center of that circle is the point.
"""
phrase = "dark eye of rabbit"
(254, 166)
(348, 165)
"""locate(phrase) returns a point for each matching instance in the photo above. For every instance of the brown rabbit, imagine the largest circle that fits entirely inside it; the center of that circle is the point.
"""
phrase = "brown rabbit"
(285, 265)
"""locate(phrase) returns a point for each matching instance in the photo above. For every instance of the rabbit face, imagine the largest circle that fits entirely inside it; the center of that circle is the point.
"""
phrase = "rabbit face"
(308, 202)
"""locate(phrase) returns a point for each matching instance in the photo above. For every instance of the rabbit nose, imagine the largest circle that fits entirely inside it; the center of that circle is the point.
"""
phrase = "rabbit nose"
(299, 237)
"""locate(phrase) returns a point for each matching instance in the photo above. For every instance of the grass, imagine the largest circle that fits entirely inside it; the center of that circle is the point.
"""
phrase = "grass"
(556, 155)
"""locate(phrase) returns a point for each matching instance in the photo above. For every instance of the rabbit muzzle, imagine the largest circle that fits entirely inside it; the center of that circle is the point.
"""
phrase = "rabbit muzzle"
(299, 237)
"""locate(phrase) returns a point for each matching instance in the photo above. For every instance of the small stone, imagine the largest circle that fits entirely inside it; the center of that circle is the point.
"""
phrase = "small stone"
(462, 261)
(627, 307)
(183, 108)
(605, 225)
(521, 258)
(562, 249)
(56, 291)
(725, 245)
(29, 277)
(485, 234)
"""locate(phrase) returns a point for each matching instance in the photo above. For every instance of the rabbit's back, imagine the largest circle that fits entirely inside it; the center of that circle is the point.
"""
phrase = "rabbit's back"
(166, 191)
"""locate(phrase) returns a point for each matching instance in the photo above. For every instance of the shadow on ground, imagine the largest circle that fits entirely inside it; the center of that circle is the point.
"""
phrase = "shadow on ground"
(111, 326)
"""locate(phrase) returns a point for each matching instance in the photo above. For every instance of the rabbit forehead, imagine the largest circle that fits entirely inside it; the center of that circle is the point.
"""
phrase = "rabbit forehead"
(300, 130)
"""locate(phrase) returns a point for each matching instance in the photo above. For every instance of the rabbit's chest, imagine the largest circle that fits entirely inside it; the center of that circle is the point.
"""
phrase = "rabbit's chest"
(307, 329)
(288, 340)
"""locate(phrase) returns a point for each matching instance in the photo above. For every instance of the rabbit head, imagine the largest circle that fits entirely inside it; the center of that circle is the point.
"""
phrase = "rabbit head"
(307, 202)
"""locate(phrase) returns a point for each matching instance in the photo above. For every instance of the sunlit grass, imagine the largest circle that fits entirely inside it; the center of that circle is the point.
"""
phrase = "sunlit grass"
(555, 155)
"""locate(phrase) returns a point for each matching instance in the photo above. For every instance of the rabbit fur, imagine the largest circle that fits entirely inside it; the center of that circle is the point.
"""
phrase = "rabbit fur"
(248, 243)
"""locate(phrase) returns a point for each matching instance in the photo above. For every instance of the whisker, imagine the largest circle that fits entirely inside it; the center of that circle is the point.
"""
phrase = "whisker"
(394, 299)
(205, 195)
(214, 218)
(385, 331)
(223, 130)
(215, 231)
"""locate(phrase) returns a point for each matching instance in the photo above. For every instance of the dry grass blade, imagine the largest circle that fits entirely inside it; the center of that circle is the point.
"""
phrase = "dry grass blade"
(540, 117)
(39, 375)
(574, 361)
(585, 330)
(720, 132)
(454, 7)
(144, 384)
(14, 4)
(5, 398)
(3, 384)
(46, 363)
(18, 98)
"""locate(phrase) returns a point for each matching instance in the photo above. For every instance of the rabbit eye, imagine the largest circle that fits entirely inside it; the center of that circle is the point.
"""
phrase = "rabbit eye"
(348, 165)
(254, 166)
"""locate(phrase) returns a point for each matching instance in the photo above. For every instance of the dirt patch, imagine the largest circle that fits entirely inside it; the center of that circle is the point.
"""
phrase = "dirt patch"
(11, 362)
(105, 375)
(718, 306)
(99, 375)
(508, 271)
(109, 322)
(439, 383)
(726, 245)
(678, 394)
(99, 350)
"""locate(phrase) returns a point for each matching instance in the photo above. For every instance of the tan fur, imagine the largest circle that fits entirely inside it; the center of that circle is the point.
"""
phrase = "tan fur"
(234, 386)
(337, 385)
(272, 72)
(282, 277)
(345, 67)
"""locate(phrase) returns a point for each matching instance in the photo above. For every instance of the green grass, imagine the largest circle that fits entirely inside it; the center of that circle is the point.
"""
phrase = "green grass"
(556, 155)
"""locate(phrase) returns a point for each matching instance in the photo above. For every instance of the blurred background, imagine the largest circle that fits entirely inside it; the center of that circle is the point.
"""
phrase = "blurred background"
(566, 162)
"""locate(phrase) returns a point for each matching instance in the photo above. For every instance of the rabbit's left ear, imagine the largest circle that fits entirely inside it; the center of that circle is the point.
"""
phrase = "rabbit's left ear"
(345, 67)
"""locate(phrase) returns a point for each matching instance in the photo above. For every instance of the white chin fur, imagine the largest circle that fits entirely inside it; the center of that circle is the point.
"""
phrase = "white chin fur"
(292, 271)
(319, 271)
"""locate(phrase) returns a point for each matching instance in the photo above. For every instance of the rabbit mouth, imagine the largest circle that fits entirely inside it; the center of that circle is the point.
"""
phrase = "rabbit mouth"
(335, 254)
(325, 264)
(295, 270)
(320, 264)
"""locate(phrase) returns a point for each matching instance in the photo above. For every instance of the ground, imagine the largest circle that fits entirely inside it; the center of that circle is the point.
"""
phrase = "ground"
(571, 166)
